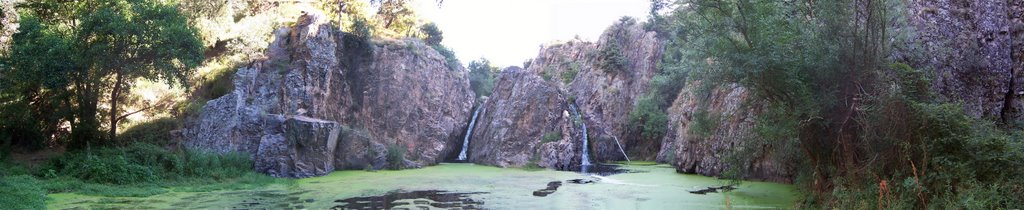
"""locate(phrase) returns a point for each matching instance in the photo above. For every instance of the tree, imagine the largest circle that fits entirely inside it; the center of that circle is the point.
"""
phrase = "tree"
(434, 34)
(33, 79)
(481, 76)
(112, 43)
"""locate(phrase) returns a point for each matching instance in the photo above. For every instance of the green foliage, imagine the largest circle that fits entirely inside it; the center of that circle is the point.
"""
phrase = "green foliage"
(33, 98)
(142, 163)
(98, 49)
(217, 83)
(190, 107)
(449, 56)
(862, 133)
(704, 123)
(569, 74)
(610, 53)
(546, 74)
(551, 136)
(481, 76)
(22, 192)
(648, 119)
(611, 57)
(155, 131)
(359, 43)
(396, 156)
(434, 34)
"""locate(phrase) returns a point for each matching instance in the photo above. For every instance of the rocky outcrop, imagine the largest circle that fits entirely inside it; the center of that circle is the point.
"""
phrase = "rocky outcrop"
(322, 100)
(525, 121)
(299, 147)
(728, 120)
(974, 50)
(605, 93)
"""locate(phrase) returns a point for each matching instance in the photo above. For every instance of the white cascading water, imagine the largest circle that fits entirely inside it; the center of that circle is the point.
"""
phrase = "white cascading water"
(585, 156)
(469, 132)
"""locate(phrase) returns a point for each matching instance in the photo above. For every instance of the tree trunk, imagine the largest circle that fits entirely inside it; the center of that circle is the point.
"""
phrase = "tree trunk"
(114, 95)
(85, 128)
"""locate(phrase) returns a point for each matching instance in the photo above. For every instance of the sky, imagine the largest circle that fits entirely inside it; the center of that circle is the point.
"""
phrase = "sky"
(508, 32)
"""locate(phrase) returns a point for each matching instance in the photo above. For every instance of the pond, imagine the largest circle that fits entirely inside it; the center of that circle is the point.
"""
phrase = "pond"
(469, 186)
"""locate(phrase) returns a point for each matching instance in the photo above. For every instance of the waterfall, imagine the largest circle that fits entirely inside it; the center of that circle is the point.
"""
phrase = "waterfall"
(586, 153)
(469, 132)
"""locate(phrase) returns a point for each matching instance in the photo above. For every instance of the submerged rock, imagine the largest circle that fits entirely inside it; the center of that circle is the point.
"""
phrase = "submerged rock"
(387, 96)
(552, 187)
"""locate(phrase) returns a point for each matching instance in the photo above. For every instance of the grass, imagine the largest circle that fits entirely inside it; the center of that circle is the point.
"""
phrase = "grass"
(21, 192)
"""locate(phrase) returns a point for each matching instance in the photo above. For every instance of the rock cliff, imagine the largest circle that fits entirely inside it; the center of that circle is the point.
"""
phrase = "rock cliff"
(705, 150)
(974, 51)
(605, 91)
(319, 102)
(525, 121)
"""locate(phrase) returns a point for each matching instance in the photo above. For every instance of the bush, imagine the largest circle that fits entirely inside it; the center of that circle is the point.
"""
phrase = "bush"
(434, 34)
(611, 57)
(396, 156)
(449, 56)
(704, 123)
(359, 43)
(546, 74)
(156, 132)
(481, 77)
(648, 119)
(551, 136)
(569, 74)
(217, 83)
(22, 192)
(142, 163)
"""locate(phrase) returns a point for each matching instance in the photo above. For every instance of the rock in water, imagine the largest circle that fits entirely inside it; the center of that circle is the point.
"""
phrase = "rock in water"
(392, 96)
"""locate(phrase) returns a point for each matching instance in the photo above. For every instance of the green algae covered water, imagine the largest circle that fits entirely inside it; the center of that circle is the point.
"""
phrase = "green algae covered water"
(467, 186)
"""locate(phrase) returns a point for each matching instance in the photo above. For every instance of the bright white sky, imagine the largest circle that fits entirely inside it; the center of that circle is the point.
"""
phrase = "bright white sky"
(508, 32)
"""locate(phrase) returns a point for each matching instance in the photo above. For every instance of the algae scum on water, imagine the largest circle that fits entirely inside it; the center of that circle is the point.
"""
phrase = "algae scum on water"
(467, 186)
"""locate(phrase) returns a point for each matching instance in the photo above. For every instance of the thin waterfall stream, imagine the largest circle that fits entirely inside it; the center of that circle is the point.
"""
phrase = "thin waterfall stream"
(585, 157)
(469, 132)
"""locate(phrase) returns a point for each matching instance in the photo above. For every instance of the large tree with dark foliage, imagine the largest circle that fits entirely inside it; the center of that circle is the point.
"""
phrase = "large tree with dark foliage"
(81, 54)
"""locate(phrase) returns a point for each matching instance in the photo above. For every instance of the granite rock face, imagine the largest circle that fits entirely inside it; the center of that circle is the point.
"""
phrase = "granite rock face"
(400, 97)
(525, 121)
(298, 147)
(606, 94)
(974, 50)
(705, 152)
